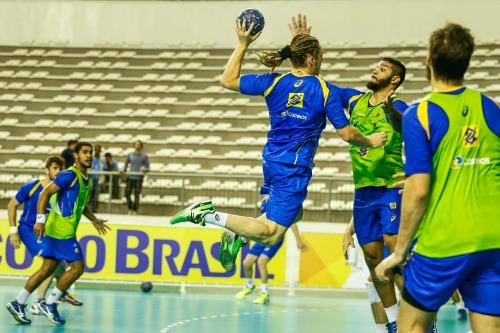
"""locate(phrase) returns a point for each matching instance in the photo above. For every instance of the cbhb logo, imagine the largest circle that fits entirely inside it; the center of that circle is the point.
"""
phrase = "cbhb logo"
(295, 100)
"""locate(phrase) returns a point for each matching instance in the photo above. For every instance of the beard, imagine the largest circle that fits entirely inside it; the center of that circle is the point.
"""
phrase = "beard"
(377, 85)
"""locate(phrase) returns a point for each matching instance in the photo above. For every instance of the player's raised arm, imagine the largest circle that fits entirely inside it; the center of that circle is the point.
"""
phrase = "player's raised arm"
(231, 76)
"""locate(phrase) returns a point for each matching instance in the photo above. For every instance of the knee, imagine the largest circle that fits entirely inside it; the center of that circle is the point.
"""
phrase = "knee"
(262, 263)
(372, 261)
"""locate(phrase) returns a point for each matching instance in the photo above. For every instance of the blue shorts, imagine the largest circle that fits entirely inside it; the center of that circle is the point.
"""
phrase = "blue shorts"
(376, 213)
(430, 282)
(29, 239)
(269, 251)
(287, 190)
(62, 249)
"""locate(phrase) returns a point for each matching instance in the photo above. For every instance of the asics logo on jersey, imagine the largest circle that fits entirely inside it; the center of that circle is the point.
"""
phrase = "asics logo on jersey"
(459, 161)
(465, 111)
(298, 83)
(295, 100)
(293, 115)
(363, 151)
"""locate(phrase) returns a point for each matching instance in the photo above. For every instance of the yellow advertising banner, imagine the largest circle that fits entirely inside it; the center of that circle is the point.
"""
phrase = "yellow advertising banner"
(323, 264)
(145, 253)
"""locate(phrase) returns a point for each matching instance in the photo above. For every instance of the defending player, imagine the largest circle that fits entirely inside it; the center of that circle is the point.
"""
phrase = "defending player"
(377, 202)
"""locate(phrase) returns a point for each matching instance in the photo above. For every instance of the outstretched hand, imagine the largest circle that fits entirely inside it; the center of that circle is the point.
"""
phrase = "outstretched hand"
(245, 34)
(100, 226)
(299, 25)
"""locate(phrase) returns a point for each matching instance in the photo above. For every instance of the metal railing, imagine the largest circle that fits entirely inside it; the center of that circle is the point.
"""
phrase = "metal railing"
(329, 198)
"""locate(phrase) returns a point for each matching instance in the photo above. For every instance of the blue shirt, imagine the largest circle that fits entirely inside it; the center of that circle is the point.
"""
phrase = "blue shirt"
(68, 191)
(30, 201)
(419, 151)
(298, 108)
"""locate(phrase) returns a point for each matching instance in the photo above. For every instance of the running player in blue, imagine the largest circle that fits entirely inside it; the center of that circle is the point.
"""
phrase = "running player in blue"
(452, 190)
(299, 103)
(261, 254)
(28, 197)
(68, 195)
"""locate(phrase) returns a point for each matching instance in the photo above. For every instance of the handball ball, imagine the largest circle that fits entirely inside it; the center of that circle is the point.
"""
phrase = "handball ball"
(146, 286)
(253, 15)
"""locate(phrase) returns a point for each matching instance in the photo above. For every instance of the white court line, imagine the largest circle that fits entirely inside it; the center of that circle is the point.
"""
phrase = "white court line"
(223, 315)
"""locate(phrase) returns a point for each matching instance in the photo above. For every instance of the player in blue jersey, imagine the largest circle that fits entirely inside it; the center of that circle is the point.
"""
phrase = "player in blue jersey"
(68, 196)
(299, 104)
(28, 196)
(260, 255)
(452, 142)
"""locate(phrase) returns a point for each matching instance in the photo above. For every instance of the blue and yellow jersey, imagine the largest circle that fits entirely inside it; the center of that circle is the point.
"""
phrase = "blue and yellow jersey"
(455, 137)
(28, 195)
(69, 189)
(298, 108)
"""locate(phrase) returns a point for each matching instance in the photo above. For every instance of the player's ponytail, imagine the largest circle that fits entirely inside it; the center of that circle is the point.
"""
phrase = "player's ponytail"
(300, 46)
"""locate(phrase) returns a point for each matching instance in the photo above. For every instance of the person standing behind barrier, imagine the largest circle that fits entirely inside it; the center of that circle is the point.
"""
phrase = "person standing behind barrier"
(111, 180)
(139, 162)
(95, 189)
(67, 154)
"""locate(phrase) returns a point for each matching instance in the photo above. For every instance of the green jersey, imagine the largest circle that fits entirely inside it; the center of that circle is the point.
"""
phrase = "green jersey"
(64, 227)
(462, 214)
(374, 166)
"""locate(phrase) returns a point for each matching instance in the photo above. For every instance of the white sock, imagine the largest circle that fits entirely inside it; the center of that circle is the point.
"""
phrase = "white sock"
(249, 284)
(392, 312)
(264, 288)
(22, 296)
(460, 305)
(54, 296)
(217, 218)
(381, 328)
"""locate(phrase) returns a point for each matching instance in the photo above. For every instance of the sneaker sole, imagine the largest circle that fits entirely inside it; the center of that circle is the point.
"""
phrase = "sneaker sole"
(225, 257)
(16, 316)
(189, 208)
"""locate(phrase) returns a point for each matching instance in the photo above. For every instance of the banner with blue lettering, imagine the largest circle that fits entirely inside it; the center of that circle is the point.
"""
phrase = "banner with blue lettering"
(139, 253)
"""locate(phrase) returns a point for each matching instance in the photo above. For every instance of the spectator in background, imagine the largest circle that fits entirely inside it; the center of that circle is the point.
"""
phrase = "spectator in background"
(67, 154)
(97, 167)
(139, 162)
(111, 165)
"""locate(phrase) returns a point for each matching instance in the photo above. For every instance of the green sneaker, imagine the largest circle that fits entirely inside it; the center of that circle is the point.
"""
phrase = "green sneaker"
(231, 244)
(245, 292)
(262, 299)
(194, 213)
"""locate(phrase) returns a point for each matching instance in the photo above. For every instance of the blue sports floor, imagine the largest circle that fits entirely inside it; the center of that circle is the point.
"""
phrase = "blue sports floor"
(108, 311)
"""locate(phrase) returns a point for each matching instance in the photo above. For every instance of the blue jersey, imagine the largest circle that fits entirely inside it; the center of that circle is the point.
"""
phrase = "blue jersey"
(28, 195)
(68, 193)
(298, 107)
(420, 151)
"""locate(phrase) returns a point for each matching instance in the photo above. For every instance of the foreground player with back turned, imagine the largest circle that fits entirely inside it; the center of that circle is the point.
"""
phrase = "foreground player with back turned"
(68, 195)
(299, 103)
(452, 190)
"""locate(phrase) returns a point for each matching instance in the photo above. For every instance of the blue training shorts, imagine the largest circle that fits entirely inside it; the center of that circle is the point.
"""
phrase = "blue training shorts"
(430, 282)
(287, 190)
(29, 239)
(376, 213)
(269, 251)
(62, 249)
